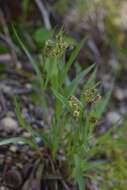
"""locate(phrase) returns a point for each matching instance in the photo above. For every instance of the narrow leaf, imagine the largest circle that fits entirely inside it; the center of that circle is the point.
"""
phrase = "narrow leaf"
(34, 65)
(74, 84)
(11, 141)
(73, 56)
(100, 106)
(78, 173)
(61, 98)
(23, 123)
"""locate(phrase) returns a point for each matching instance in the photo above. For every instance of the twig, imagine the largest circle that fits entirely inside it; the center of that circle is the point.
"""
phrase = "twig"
(44, 13)
(65, 185)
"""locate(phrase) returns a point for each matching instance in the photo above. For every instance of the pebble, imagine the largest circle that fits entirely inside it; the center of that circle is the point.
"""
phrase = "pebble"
(19, 165)
(114, 117)
(9, 124)
(25, 149)
(28, 86)
(114, 64)
(119, 94)
(107, 81)
(13, 178)
(26, 134)
(10, 114)
(39, 141)
(3, 188)
(13, 148)
(31, 153)
(6, 89)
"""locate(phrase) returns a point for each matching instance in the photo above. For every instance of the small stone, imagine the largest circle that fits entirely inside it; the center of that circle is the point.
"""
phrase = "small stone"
(119, 94)
(3, 188)
(25, 158)
(13, 148)
(19, 165)
(26, 134)
(114, 64)
(25, 149)
(13, 178)
(114, 117)
(28, 86)
(39, 141)
(31, 153)
(10, 114)
(6, 89)
(9, 124)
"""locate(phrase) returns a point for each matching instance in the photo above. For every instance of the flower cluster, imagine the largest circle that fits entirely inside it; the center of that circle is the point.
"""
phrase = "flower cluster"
(75, 106)
(91, 95)
(57, 47)
(61, 45)
(49, 45)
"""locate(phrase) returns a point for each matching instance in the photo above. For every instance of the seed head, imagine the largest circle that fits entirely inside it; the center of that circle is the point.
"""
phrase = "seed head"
(76, 113)
(56, 47)
(75, 106)
(91, 95)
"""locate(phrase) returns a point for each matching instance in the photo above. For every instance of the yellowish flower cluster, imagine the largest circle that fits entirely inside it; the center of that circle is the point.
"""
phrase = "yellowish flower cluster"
(49, 45)
(61, 45)
(57, 47)
(75, 106)
(91, 95)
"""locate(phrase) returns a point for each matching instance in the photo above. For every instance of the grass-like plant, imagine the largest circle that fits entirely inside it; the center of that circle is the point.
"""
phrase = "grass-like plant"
(70, 140)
